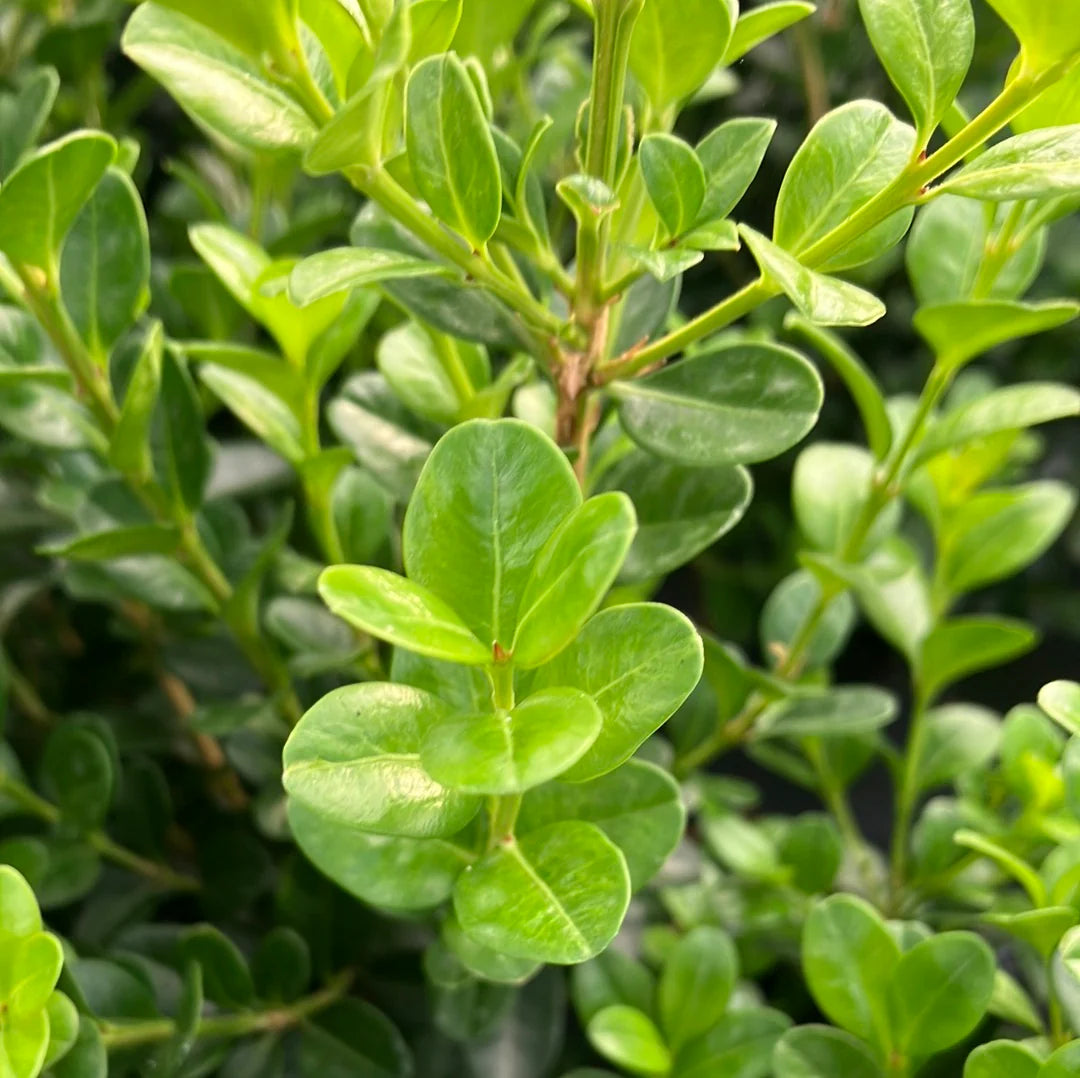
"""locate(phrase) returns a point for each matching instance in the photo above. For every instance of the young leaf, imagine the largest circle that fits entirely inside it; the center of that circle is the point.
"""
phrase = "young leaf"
(960, 332)
(638, 806)
(680, 511)
(105, 268)
(823, 1052)
(825, 301)
(629, 1039)
(849, 958)
(401, 612)
(451, 150)
(737, 405)
(1061, 701)
(851, 155)
(731, 156)
(926, 46)
(509, 752)
(762, 23)
(674, 48)
(639, 662)
(345, 268)
(217, 85)
(696, 984)
(675, 180)
(416, 372)
(960, 739)
(489, 498)
(366, 774)
(556, 895)
(1037, 164)
(1047, 31)
(253, 26)
(963, 646)
(941, 989)
(33, 228)
(1002, 1059)
(571, 576)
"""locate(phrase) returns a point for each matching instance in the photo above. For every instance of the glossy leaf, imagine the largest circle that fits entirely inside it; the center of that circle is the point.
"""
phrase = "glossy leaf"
(675, 180)
(1046, 31)
(732, 155)
(849, 958)
(926, 47)
(739, 405)
(942, 988)
(489, 498)
(825, 301)
(959, 739)
(509, 752)
(851, 155)
(763, 22)
(556, 895)
(32, 228)
(344, 268)
(1002, 1059)
(629, 1039)
(839, 712)
(216, 84)
(1061, 701)
(571, 576)
(823, 1052)
(23, 115)
(696, 984)
(674, 49)
(401, 612)
(1063, 1063)
(1037, 164)
(638, 806)
(963, 646)
(118, 543)
(639, 662)
(739, 1046)
(451, 152)
(354, 759)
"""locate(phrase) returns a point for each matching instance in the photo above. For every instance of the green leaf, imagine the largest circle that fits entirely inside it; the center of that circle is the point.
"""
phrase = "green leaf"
(281, 967)
(638, 806)
(963, 646)
(612, 978)
(353, 1038)
(129, 448)
(849, 957)
(698, 978)
(680, 511)
(666, 265)
(959, 332)
(87, 1058)
(556, 895)
(1046, 30)
(674, 49)
(401, 874)
(786, 613)
(260, 409)
(368, 774)
(344, 268)
(1065, 974)
(32, 227)
(814, 848)
(23, 115)
(216, 84)
(433, 26)
(996, 534)
(851, 155)
(825, 301)
(714, 236)
(761, 23)
(253, 26)
(24, 1043)
(732, 155)
(1012, 408)
(1036, 164)
(926, 46)
(408, 360)
(741, 404)
(401, 612)
(675, 180)
(63, 1027)
(1061, 701)
(639, 663)
(186, 450)
(629, 1039)
(78, 773)
(838, 712)
(118, 543)
(741, 1045)
(941, 989)
(1002, 1059)
(451, 151)
(489, 498)
(570, 577)
(590, 200)
(226, 977)
(1063, 1063)
(959, 739)
(105, 268)
(509, 752)
(823, 1052)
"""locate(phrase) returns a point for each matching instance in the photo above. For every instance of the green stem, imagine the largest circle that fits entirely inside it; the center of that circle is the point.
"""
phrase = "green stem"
(1001, 247)
(503, 813)
(139, 1034)
(908, 793)
(160, 875)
